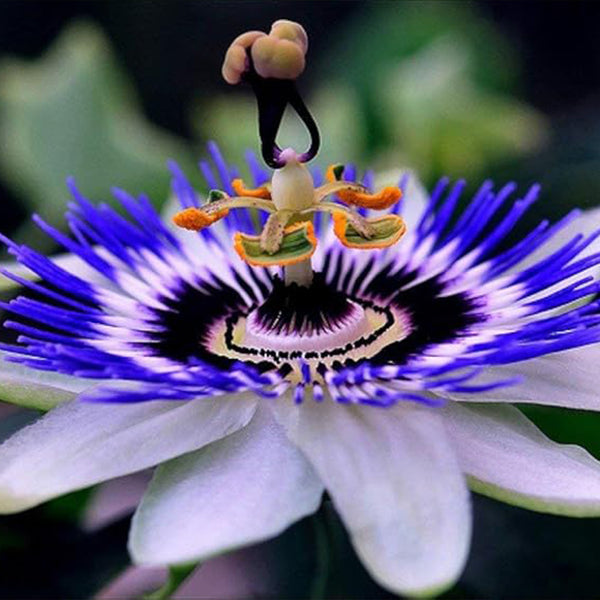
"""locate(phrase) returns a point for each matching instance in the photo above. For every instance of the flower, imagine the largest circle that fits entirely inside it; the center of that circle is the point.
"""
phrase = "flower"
(237, 467)
(380, 367)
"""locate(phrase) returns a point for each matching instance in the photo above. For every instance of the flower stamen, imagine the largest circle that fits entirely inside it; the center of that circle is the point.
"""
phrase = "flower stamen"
(349, 193)
(288, 237)
(240, 189)
(196, 219)
(297, 244)
(383, 231)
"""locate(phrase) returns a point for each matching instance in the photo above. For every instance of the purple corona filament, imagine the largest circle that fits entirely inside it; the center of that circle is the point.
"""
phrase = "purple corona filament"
(153, 306)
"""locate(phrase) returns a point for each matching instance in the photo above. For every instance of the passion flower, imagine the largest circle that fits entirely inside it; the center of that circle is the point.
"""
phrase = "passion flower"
(307, 335)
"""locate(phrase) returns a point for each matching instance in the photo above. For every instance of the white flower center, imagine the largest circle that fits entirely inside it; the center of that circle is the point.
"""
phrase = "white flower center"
(305, 337)
(318, 327)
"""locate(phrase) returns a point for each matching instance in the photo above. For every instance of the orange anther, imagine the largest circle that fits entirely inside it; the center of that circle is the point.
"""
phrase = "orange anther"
(267, 261)
(383, 199)
(240, 190)
(340, 222)
(339, 226)
(196, 219)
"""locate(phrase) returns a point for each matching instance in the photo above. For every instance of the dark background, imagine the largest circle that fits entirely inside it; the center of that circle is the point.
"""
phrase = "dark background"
(173, 52)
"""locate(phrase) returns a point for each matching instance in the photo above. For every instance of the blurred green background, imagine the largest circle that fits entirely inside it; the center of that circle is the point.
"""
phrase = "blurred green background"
(108, 91)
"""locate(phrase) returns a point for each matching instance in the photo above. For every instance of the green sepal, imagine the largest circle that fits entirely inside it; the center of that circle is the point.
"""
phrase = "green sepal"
(298, 244)
(38, 390)
(216, 195)
(175, 578)
(30, 394)
(385, 232)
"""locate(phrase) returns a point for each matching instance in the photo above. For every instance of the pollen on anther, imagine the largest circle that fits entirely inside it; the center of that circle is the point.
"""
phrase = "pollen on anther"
(241, 190)
(383, 199)
(195, 219)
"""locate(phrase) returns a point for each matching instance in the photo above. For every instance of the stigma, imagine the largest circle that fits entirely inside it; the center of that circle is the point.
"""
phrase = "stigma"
(271, 63)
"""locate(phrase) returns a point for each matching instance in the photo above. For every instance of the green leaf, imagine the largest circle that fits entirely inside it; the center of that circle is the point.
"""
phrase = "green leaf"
(69, 507)
(73, 112)
(384, 33)
(445, 121)
(429, 92)
(567, 426)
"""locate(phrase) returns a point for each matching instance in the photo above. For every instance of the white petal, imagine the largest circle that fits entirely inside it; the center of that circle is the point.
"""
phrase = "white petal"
(40, 390)
(79, 444)
(133, 582)
(22, 271)
(114, 500)
(587, 223)
(570, 379)
(240, 490)
(509, 458)
(18, 269)
(70, 262)
(395, 481)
